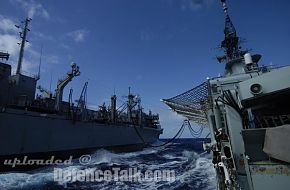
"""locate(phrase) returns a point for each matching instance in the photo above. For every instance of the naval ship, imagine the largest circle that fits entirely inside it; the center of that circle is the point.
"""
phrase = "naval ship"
(247, 111)
(42, 125)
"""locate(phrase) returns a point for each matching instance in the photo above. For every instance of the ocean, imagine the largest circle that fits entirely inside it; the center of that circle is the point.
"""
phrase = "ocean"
(191, 166)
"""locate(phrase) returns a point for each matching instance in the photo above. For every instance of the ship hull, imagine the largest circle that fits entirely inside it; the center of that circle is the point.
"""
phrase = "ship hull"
(38, 135)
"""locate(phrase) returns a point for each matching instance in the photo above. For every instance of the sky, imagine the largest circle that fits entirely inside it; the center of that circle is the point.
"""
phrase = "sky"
(160, 48)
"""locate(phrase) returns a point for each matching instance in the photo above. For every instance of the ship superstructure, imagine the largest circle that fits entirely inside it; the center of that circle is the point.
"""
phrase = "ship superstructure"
(248, 113)
(39, 125)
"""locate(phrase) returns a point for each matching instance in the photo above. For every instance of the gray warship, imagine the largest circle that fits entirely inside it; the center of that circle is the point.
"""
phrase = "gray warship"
(42, 125)
(247, 111)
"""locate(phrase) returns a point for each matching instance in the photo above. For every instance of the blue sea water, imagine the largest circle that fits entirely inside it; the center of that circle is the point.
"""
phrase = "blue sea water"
(193, 170)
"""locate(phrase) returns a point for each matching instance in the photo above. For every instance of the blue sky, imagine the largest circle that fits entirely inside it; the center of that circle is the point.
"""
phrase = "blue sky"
(158, 47)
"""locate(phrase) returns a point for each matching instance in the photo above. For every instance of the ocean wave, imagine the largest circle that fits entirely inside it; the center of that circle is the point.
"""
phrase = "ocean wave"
(192, 171)
(23, 180)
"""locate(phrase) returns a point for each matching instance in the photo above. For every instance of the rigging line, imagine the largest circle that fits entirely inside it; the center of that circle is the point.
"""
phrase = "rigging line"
(207, 135)
(195, 135)
(120, 106)
(195, 132)
(165, 146)
(190, 128)
(180, 131)
(123, 109)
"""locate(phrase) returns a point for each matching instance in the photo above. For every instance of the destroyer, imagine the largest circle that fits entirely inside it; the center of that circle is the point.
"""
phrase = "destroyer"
(248, 113)
(46, 125)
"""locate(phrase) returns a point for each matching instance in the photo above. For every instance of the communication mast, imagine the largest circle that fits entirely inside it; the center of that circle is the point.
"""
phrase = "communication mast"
(23, 35)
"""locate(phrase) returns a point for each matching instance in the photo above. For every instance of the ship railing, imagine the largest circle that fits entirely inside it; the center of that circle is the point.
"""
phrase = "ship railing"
(4, 55)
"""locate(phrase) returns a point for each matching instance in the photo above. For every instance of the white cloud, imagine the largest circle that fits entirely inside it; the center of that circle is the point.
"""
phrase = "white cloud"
(7, 25)
(170, 116)
(8, 36)
(8, 43)
(43, 36)
(9, 39)
(31, 63)
(51, 59)
(28, 66)
(78, 35)
(32, 8)
(170, 122)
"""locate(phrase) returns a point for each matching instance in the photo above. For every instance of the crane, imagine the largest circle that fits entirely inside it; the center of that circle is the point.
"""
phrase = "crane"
(61, 84)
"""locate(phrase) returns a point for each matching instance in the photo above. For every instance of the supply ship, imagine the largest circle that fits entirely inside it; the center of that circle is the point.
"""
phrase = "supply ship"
(42, 125)
(247, 111)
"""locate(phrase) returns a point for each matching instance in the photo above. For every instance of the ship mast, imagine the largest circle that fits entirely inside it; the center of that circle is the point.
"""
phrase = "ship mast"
(22, 44)
(130, 105)
(231, 41)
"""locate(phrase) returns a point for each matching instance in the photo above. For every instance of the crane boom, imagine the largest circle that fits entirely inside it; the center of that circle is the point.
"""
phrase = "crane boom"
(61, 84)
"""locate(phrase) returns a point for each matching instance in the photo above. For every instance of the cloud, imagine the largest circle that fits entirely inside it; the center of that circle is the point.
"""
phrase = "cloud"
(32, 8)
(170, 122)
(195, 5)
(8, 43)
(32, 59)
(8, 36)
(78, 35)
(7, 25)
(169, 116)
(9, 39)
(43, 36)
(52, 59)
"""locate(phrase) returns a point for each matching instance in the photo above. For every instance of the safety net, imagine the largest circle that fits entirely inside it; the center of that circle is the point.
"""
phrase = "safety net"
(192, 104)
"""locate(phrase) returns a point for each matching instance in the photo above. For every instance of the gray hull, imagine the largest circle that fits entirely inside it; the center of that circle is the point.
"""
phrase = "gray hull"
(31, 132)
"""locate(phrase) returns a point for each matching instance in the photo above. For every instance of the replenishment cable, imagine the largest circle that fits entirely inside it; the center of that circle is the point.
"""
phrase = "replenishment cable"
(178, 134)
(195, 134)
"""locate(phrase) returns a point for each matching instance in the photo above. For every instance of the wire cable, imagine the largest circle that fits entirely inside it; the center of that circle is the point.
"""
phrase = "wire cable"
(178, 134)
